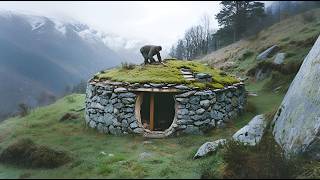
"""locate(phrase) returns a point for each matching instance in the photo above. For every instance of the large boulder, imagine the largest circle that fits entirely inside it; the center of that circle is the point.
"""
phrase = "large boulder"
(209, 147)
(297, 122)
(268, 53)
(252, 133)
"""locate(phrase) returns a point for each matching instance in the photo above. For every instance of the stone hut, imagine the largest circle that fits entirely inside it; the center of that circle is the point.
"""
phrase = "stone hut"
(161, 109)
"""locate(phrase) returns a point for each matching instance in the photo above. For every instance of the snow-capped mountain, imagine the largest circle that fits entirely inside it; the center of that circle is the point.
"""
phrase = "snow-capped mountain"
(42, 54)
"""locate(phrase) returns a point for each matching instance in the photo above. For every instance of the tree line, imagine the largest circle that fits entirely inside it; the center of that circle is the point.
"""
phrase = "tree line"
(237, 20)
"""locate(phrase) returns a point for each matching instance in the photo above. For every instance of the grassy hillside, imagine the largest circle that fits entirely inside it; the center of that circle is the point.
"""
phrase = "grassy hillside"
(105, 156)
(295, 36)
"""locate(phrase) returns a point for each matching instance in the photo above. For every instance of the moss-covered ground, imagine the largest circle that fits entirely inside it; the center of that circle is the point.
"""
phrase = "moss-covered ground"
(168, 73)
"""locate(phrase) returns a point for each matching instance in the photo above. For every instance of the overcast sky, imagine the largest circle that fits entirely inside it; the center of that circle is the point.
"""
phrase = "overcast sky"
(154, 22)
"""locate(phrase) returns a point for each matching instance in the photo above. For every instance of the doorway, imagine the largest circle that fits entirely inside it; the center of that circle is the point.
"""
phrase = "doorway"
(157, 110)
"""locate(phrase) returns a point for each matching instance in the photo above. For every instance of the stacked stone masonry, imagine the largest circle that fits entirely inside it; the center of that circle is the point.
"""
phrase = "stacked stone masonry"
(110, 108)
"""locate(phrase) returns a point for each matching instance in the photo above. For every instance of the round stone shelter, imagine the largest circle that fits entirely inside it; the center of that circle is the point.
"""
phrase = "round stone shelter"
(161, 109)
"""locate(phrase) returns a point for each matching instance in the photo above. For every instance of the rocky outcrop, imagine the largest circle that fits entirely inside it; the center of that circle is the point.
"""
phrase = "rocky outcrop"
(268, 53)
(252, 133)
(209, 147)
(297, 122)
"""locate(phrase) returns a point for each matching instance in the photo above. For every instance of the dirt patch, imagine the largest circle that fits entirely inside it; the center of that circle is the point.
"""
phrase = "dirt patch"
(26, 153)
(68, 116)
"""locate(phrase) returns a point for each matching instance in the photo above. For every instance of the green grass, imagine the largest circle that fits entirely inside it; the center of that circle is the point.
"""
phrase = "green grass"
(167, 74)
(171, 157)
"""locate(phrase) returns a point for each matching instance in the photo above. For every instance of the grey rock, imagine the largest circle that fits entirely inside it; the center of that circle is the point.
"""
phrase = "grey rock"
(268, 53)
(128, 100)
(182, 100)
(198, 123)
(109, 108)
(181, 87)
(120, 90)
(138, 130)
(114, 131)
(252, 133)
(145, 155)
(156, 85)
(181, 106)
(124, 124)
(194, 100)
(279, 59)
(196, 117)
(92, 124)
(97, 106)
(115, 111)
(186, 94)
(183, 112)
(100, 128)
(146, 86)
(191, 113)
(209, 147)
(113, 96)
(133, 125)
(108, 119)
(200, 111)
(221, 97)
(202, 76)
(127, 95)
(205, 103)
(297, 122)
(118, 105)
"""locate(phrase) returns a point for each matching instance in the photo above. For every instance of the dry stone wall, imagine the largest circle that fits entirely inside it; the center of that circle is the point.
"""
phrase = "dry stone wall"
(110, 108)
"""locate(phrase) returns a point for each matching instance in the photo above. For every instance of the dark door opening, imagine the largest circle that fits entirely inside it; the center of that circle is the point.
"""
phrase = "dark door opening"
(157, 111)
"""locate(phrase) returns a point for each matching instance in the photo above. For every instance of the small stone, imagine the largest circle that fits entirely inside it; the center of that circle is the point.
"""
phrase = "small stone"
(196, 117)
(92, 124)
(194, 100)
(144, 155)
(182, 100)
(133, 125)
(186, 94)
(209, 147)
(181, 87)
(205, 103)
(120, 90)
(127, 95)
(156, 85)
(146, 86)
(191, 113)
(183, 112)
(138, 130)
(200, 111)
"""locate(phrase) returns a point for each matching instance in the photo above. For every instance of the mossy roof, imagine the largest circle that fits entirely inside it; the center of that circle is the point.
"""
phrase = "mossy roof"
(168, 73)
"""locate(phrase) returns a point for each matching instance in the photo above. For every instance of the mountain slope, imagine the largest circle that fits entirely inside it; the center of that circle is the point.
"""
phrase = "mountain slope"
(43, 54)
(294, 35)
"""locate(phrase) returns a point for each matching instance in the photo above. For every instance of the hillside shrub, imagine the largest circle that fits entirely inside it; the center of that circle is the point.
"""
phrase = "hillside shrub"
(23, 110)
(26, 153)
(265, 160)
(308, 17)
(127, 66)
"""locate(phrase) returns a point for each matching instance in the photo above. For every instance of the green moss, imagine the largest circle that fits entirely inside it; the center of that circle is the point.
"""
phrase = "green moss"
(168, 73)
